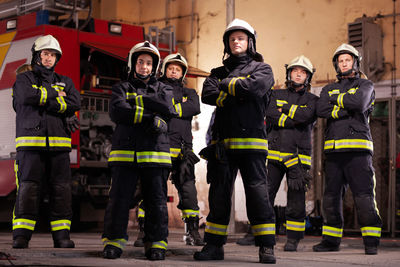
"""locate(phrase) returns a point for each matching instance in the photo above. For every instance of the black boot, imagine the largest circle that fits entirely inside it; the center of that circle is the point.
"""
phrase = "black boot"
(61, 239)
(210, 252)
(155, 254)
(20, 242)
(371, 250)
(111, 252)
(266, 255)
(248, 239)
(291, 245)
(139, 239)
(193, 237)
(325, 246)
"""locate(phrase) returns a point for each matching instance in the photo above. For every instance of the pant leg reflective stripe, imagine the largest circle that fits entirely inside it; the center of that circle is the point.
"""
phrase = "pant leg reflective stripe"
(291, 162)
(141, 213)
(190, 213)
(24, 224)
(60, 225)
(332, 231)
(216, 229)
(296, 226)
(371, 231)
(119, 243)
(263, 229)
(122, 155)
(159, 244)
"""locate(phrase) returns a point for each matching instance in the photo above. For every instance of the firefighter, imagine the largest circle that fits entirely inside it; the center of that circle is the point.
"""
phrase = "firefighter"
(347, 105)
(240, 91)
(43, 100)
(291, 114)
(186, 103)
(140, 107)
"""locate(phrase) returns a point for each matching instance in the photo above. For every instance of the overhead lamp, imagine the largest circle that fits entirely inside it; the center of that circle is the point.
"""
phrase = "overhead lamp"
(115, 28)
(11, 24)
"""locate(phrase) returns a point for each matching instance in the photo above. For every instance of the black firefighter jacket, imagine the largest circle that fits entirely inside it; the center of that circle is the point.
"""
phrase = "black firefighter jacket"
(40, 112)
(186, 103)
(290, 130)
(240, 89)
(347, 105)
(133, 107)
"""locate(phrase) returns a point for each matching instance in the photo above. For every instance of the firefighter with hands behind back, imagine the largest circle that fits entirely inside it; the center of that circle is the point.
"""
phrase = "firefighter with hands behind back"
(45, 103)
(347, 105)
(186, 103)
(290, 119)
(140, 107)
(240, 90)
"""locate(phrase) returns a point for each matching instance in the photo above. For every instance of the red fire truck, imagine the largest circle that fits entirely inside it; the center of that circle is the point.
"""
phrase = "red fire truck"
(94, 55)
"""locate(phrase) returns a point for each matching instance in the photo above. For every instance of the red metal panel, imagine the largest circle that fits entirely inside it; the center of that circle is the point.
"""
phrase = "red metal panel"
(128, 31)
(7, 177)
(8, 77)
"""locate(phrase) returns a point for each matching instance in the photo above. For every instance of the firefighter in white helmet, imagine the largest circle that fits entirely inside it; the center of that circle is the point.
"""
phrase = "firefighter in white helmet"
(290, 119)
(347, 105)
(43, 100)
(140, 107)
(240, 91)
(186, 103)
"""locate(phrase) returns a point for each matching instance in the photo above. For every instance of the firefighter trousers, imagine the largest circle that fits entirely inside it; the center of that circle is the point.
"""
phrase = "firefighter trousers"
(259, 210)
(295, 211)
(40, 174)
(356, 170)
(154, 191)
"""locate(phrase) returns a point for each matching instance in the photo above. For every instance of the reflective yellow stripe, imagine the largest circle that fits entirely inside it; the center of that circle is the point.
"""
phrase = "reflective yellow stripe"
(231, 86)
(60, 225)
(335, 112)
(277, 155)
(130, 95)
(221, 97)
(263, 229)
(58, 88)
(340, 100)
(36, 141)
(62, 103)
(291, 162)
(178, 108)
(141, 213)
(305, 159)
(332, 231)
(159, 244)
(139, 109)
(59, 141)
(216, 229)
(296, 226)
(122, 155)
(352, 91)
(43, 94)
(24, 224)
(371, 231)
(292, 111)
(119, 243)
(349, 143)
(280, 103)
(329, 144)
(190, 213)
(282, 119)
(153, 157)
(334, 92)
(174, 152)
(246, 143)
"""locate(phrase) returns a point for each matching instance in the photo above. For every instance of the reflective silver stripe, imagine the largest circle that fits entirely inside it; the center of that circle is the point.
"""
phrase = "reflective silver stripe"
(332, 231)
(246, 143)
(119, 243)
(153, 157)
(263, 229)
(122, 155)
(24, 224)
(296, 226)
(159, 244)
(60, 225)
(59, 141)
(38, 141)
(216, 229)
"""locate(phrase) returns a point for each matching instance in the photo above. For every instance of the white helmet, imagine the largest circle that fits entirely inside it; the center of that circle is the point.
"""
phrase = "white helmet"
(347, 49)
(175, 58)
(140, 48)
(300, 61)
(46, 42)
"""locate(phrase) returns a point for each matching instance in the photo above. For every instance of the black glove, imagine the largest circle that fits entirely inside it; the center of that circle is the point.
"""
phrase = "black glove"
(189, 159)
(159, 125)
(294, 174)
(72, 124)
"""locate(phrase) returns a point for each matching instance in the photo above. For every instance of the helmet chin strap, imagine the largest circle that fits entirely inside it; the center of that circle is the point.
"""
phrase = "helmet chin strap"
(142, 77)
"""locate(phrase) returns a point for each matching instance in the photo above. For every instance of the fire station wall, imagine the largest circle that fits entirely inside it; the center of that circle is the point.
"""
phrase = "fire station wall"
(285, 29)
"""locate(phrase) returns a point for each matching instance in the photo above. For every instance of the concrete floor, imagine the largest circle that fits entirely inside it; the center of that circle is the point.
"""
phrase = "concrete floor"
(88, 253)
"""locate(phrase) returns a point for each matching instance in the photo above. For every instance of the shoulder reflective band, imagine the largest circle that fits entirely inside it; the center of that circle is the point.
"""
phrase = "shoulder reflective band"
(178, 108)
(216, 229)
(220, 100)
(59, 141)
(231, 85)
(43, 94)
(352, 91)
(60, 225)
(280, 103)
(296, 226)
(35, 141)
(174, 152)
(335, 112)
(334, 92)
(62, 103)
(139, 109)
(332, 231)
(122, 155)
(282, 119)
(24, 224)
(371, 231)
(246, 143)
(263, 229)
(190, 213)
(153, 157)
(349, 143)
(119, 243)
(292, 110)
(159, 244)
